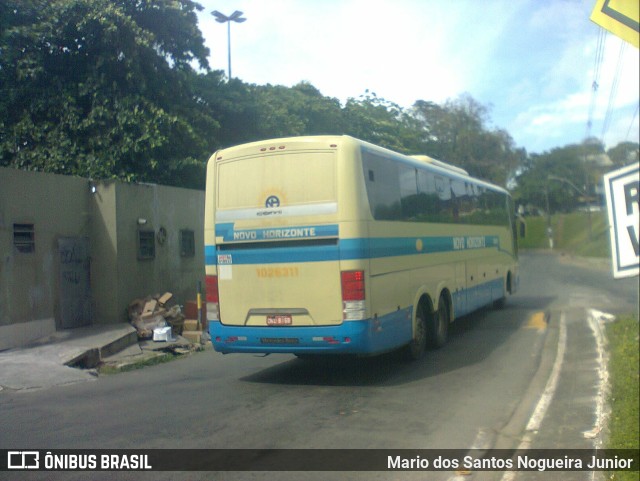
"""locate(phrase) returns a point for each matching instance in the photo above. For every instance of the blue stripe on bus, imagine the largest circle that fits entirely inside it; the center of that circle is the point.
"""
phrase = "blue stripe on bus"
(468, 300)
(370, 336)
(350, 337)
(350, 249)
(229, 233)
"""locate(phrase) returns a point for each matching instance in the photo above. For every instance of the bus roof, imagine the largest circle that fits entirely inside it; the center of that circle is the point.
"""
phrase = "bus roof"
(333, 141)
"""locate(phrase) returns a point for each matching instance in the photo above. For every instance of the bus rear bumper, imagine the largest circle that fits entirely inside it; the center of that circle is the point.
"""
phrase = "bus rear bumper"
(350, 337)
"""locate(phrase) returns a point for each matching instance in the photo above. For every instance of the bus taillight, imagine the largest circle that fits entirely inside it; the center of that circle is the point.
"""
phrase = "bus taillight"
(213, 298)
(353, 295)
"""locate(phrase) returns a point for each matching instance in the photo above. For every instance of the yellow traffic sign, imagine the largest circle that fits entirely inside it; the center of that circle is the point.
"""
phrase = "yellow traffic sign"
(620, 17)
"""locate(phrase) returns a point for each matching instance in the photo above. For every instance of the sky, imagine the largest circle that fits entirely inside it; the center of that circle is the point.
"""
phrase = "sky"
(531, 62)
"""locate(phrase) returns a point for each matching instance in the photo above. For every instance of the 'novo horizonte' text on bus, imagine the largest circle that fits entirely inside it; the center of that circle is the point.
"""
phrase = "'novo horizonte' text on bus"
(325, 245)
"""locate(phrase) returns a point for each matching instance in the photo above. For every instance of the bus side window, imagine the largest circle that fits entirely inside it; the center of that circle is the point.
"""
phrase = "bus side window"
(383, 187)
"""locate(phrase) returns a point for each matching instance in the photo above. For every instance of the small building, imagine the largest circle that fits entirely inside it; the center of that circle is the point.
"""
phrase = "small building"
(76, 252)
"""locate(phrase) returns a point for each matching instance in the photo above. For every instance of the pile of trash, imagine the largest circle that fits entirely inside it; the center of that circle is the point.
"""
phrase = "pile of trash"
(155, 318)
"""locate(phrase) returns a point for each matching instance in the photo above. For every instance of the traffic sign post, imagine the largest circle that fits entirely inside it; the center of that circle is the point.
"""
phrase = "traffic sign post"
(621, 189)
(619, 17)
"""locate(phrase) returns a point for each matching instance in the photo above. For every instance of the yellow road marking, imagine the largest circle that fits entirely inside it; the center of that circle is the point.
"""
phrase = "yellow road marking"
(537, 321)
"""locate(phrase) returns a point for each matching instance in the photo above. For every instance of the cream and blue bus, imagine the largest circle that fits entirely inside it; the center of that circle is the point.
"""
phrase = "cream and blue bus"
(331, 245)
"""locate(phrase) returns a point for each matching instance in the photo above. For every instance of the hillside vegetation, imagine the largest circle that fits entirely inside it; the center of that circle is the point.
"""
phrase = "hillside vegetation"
(570, 234)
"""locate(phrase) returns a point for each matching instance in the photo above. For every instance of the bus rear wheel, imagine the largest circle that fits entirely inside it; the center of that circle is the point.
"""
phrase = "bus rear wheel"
(439, 325)
(418, 345)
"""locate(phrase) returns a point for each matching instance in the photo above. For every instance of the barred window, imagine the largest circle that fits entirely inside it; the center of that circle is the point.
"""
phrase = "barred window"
(146, 244)
(187, 243)
(24, 238)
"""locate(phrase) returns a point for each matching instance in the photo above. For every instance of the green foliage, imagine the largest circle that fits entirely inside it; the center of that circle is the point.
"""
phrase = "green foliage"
(106, 89)
(535, 234)
(570, 234)
(458, 132)
(378, 121)
(622, 335)
(541, 178)
(289, 112)
(101, 89)
(574, 234)
(624, 153)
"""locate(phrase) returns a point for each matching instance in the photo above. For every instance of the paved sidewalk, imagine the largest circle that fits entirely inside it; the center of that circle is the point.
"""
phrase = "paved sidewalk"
(46, 362)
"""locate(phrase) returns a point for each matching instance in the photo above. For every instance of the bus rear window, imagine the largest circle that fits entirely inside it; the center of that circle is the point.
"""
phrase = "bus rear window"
(284, 179)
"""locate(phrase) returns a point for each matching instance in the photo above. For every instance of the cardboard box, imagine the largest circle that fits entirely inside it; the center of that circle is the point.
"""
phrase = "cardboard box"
(191, 325)
(165, 298)
(192, 336)
(149, 307)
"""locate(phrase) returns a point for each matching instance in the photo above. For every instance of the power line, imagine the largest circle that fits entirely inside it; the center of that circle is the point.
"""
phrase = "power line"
(632, 122)
(614, 91)
(602, 39)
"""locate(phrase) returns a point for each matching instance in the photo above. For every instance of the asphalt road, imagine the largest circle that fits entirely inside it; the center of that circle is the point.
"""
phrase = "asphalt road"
(481, 390)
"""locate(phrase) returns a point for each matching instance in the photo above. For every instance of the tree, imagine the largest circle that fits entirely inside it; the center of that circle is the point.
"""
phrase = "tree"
(230, 104)
(249, 112)
(552, 173)
(381, 122)
(102, 89)
(624, 153)
(457, 133)
(106, 89)
(299, 110)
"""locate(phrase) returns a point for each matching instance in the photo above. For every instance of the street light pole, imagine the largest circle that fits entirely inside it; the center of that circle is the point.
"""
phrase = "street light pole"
(222, 18)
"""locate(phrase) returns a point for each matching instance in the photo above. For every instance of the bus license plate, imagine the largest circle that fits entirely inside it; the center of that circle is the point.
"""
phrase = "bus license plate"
(280, 320)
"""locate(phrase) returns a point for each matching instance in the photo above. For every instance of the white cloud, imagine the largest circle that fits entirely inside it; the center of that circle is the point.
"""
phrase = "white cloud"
(568, 113)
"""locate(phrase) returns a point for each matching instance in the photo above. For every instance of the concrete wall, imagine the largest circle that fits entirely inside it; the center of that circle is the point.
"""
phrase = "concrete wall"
(110, 215)
(160, 207)
(57, 206)
(104, 253)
